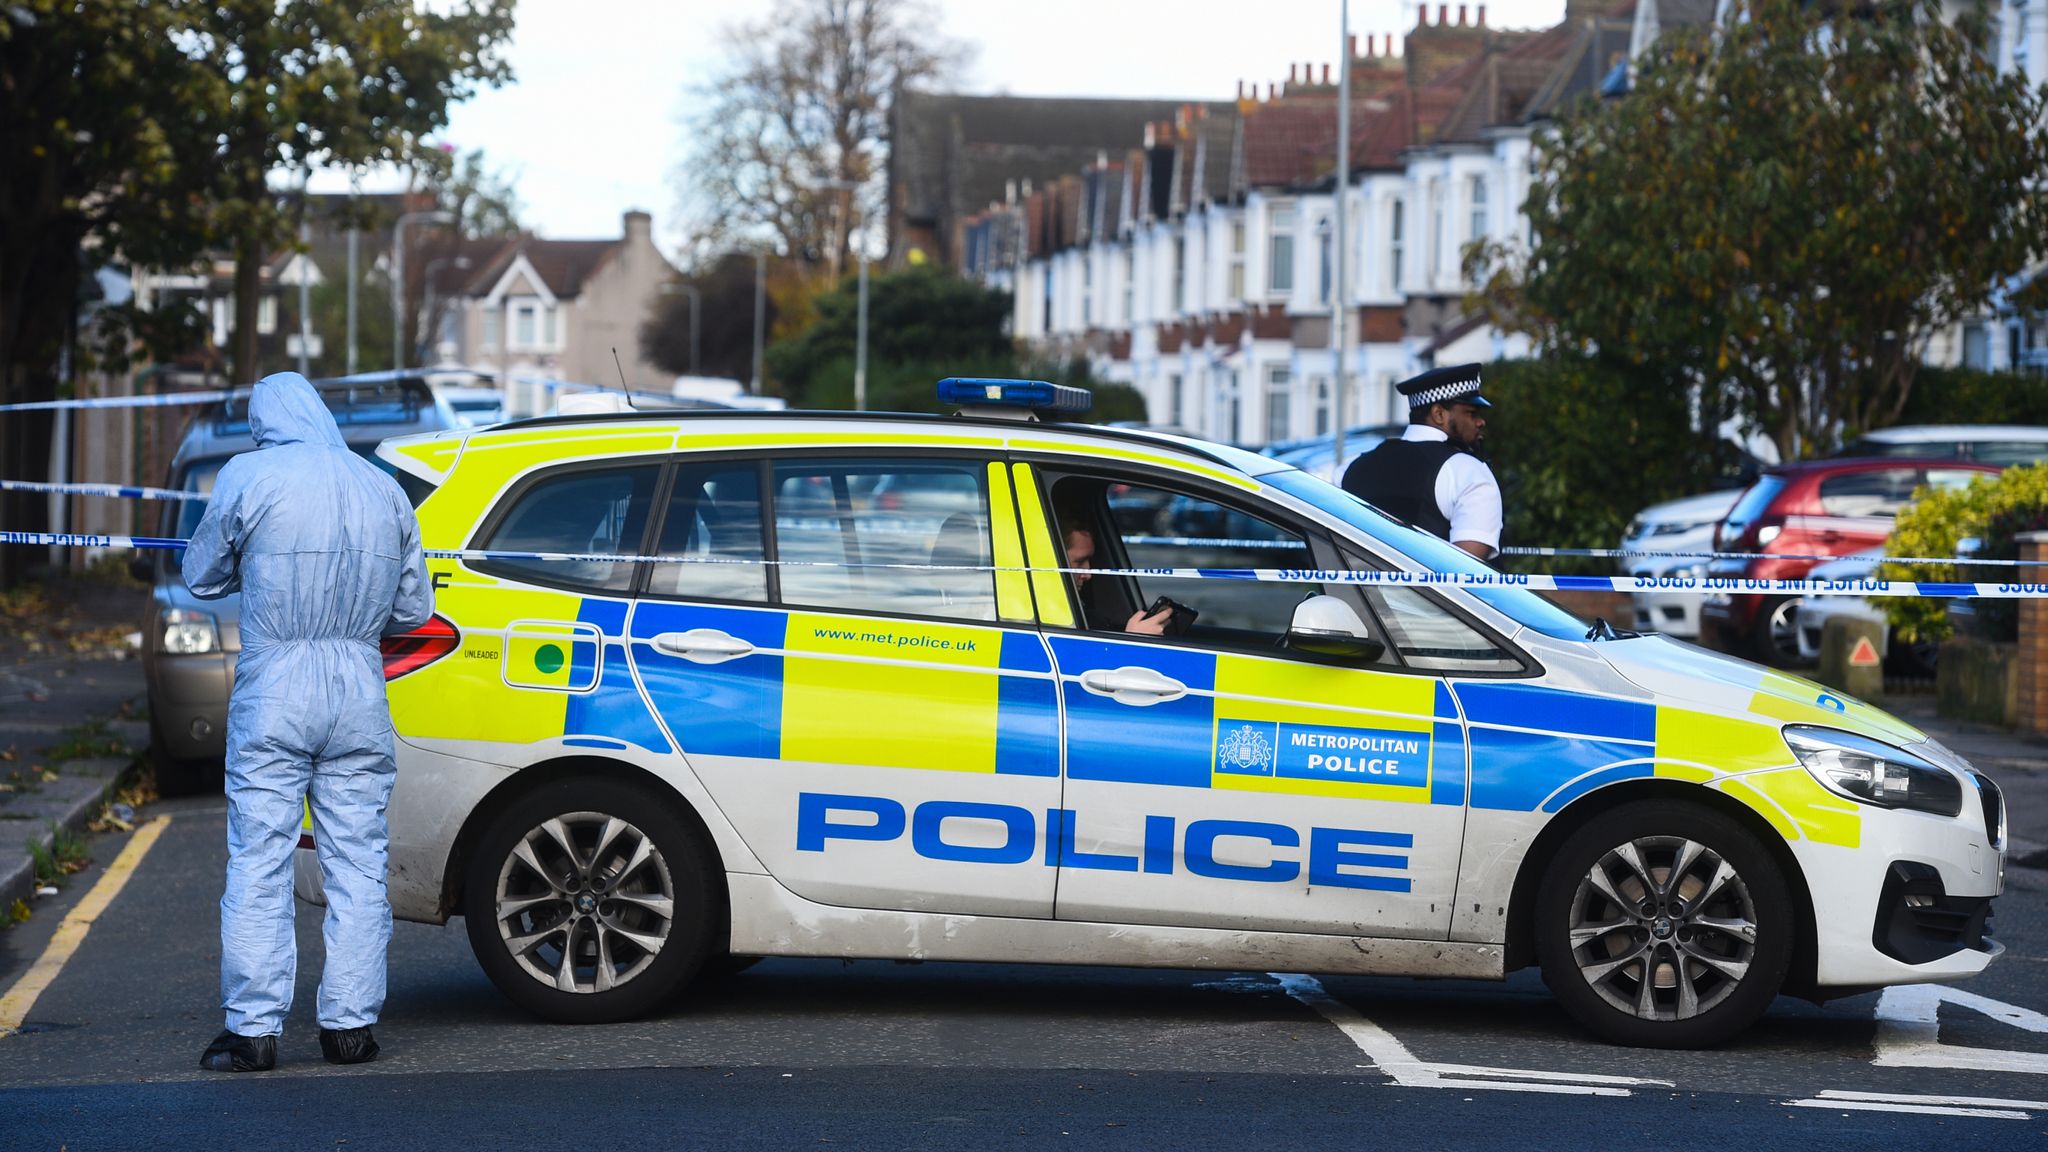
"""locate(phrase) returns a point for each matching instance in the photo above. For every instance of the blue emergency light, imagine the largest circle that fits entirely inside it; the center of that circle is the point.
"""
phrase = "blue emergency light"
(1033, 395)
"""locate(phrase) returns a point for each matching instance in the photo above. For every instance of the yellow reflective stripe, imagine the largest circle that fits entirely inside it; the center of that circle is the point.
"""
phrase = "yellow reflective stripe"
(934, 706)
(1013, 587)
(1051, 592)
(1099, 450)
(1825, 817)
(775, 439)
(437, 456)
(1727, 743)
(307, 823)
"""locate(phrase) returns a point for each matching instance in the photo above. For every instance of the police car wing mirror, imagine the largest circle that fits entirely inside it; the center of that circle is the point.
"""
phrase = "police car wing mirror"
(1327, 626)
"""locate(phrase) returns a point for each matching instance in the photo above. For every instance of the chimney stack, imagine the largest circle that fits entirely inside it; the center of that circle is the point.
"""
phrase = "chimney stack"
(1482, 16)
(1461, 15)
(1390, 46)
(1443, 15)
(1351, 44)
(1326, 75)
(1270, 86)
(1290, 73)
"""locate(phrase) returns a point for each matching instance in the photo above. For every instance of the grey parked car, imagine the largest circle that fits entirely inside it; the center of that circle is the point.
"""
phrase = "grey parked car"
(190, 645)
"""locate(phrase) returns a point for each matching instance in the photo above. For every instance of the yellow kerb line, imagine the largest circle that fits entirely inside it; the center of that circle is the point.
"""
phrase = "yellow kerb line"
(14, 1007)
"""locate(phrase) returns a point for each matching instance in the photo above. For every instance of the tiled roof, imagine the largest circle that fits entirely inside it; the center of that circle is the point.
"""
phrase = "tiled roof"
(1497, 89)
(563, 265)
(989, 141)
(1597, 46)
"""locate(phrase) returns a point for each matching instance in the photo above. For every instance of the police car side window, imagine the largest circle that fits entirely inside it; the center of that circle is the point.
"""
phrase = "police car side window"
(1428, 636)
(1431, 639)
(581, 512)
(908, 537)
(713, 524)
(1162, 528)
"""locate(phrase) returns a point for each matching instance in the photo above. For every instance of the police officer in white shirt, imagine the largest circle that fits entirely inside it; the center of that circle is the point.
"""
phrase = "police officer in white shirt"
(1432, 477)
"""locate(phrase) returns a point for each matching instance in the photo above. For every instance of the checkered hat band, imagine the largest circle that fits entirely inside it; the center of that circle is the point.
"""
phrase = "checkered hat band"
(1443, 392)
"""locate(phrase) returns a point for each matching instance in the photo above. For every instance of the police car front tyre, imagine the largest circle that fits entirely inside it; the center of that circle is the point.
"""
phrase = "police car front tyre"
(1664, 925)
(590, 902)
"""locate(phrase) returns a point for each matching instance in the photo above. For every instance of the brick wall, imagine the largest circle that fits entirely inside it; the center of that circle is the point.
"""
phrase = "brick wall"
(2033, 653)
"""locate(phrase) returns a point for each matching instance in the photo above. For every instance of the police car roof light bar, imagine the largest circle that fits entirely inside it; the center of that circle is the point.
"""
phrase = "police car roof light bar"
(988, 395)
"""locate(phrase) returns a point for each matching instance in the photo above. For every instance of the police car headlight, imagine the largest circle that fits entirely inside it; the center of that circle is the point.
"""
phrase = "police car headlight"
(189, 633)
(1875, 773)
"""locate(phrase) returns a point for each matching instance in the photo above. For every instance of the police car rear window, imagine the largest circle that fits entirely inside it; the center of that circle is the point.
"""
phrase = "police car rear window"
(713, 525)
(905, 537)
(583, 512)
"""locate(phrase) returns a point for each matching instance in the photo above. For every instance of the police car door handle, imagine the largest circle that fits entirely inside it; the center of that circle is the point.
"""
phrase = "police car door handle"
(1138, 686)
(702, 645)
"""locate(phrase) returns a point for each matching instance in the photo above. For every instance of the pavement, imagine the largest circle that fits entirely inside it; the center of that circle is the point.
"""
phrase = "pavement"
(72, 708)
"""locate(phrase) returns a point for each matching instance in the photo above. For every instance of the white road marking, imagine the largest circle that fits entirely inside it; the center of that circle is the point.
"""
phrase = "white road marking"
(1392, 1057)
(1897, 1107)
(1979, 1107)
(1909, 1031)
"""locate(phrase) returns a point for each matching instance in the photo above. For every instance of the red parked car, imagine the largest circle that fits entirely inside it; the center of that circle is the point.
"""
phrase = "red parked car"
(1812, 508)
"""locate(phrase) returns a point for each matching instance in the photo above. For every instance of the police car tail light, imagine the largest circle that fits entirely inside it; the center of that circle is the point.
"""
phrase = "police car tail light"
(420, 647)
(1874, 772)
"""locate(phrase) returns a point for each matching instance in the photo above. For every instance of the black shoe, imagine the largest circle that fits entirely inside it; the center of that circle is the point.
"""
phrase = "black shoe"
(348, 1045)
(232, 1053)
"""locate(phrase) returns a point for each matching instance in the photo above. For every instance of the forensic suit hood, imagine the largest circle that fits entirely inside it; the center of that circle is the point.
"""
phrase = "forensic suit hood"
(325, 550)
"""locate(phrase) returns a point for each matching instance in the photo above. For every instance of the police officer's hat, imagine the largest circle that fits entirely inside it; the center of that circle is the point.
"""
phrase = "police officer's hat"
(1457, 384)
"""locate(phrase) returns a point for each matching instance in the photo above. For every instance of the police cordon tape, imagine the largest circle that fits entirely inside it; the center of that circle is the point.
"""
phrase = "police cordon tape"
(156, 400)
(113, 491)
(899, 526)
(182, 399)
(1374, 579)
(1607, 553)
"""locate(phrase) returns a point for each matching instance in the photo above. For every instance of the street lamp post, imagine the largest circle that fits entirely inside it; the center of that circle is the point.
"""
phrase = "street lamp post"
(437, 216)
(1339, 299)
(860, 337)
(760, 315)
(433, 266)
(696, 305)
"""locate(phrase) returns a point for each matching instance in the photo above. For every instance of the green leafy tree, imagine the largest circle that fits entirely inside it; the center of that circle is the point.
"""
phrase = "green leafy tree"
(923, 325)
(1580, 445)
(1993, 510)
(296, 84)
(1781, 212)
(97, 143)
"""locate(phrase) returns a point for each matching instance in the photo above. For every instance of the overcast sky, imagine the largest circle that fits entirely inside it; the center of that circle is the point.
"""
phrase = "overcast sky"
(593, 125)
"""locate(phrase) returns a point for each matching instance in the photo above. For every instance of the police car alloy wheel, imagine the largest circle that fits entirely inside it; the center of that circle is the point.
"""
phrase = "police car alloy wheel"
(589, 902)
(1664, 925)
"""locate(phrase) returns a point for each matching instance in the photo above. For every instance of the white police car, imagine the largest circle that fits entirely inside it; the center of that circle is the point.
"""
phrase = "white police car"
(826, 724)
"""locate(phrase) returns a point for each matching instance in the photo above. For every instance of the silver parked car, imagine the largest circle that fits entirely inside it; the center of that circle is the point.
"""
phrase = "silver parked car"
(1676, 526)
(2001, 444)
(190, 645)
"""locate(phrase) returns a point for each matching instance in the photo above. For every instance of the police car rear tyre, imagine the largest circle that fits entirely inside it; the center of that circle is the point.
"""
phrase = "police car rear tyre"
(590, 902)
(1664, 925)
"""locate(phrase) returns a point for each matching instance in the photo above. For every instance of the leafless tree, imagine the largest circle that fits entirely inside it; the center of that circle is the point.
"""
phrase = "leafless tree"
(788, 148)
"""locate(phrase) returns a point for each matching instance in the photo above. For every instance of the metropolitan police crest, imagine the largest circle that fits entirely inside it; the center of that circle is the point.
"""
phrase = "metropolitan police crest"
(1246, 750)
